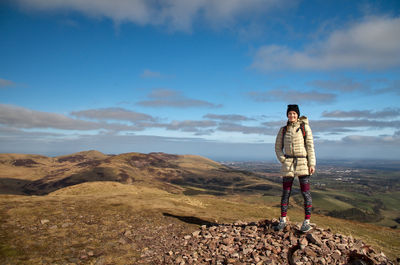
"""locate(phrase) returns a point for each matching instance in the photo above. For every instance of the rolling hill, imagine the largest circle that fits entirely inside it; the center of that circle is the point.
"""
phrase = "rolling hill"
(40, 175)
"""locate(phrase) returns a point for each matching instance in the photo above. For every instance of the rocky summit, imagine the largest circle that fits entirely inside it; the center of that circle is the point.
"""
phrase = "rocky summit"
(258, 243)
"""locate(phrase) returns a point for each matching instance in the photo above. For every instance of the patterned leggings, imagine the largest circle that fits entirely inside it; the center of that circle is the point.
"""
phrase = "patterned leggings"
(305, 191)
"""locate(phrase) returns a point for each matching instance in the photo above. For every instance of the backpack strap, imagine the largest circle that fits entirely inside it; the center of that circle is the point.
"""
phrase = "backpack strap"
(303, 131)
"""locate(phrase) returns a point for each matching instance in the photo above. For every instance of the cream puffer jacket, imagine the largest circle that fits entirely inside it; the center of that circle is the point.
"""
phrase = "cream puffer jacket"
(300, 155)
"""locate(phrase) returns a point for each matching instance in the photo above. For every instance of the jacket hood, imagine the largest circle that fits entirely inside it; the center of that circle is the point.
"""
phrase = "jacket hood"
(300, 120)
(303, 119)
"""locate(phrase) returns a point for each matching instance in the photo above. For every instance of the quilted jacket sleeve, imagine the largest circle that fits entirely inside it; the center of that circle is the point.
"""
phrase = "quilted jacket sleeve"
(310, 147)
(278, 146)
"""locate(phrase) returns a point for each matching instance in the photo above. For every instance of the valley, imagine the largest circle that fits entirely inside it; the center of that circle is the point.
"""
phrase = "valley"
(365, 191)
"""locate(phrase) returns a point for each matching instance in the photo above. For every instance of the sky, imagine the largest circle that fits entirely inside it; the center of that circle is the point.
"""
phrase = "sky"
(203, 77)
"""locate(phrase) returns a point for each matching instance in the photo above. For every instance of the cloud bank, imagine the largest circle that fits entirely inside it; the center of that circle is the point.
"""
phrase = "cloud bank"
(370, 45)
(290, 96)
(354, 147)
(113, 114)
(342, 85)
(227, 117)
(366, 114)
(176, 15)
(25, 131)
(174, 99)
(19, 117)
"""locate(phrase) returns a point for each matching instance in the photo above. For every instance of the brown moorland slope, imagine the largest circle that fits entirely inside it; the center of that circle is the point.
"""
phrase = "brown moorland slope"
(40, 175)
(152, 201)
(113, 223)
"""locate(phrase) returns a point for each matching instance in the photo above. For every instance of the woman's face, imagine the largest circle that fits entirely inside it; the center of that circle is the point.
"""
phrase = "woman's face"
(292, 116)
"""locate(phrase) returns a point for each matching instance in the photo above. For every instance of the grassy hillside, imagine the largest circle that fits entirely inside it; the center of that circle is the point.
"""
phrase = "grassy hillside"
(97, 218)
(38, 175)
(110, 208)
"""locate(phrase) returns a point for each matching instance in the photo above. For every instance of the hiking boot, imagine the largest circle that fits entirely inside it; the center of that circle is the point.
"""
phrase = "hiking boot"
(305, 227)
(280, 226)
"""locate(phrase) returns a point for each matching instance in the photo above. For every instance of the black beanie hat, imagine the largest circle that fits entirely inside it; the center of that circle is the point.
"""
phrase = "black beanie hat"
(294, 108)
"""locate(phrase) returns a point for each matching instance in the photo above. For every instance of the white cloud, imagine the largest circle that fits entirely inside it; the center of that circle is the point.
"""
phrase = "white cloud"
(291, 96)
(354, 147)
(227, 117)
(198, 127)
(113, 114)
(371, 44)
(115, 144)
(349, 85)
(360, 147)
(342, 85)
(175, 99)
(176, 15)
(234, 127)
(367, 114)
(19, 117)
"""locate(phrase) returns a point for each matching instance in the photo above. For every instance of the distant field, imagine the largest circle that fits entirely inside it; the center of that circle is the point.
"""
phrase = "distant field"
(366, 191)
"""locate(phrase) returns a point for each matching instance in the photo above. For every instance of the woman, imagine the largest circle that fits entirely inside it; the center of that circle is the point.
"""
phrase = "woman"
(294, 148)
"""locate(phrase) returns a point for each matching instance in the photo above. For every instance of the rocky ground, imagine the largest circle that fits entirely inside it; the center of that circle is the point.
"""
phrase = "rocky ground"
(258, 243)
(128, 228)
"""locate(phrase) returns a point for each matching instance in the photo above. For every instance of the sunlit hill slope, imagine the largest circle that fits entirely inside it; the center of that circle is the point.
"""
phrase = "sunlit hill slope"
(92, 208)
(39, 175)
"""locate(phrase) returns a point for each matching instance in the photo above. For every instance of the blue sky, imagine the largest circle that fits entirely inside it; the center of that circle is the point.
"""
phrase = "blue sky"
(203, 77)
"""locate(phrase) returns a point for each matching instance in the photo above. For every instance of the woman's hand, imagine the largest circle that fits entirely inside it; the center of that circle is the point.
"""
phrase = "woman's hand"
(311, 170)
